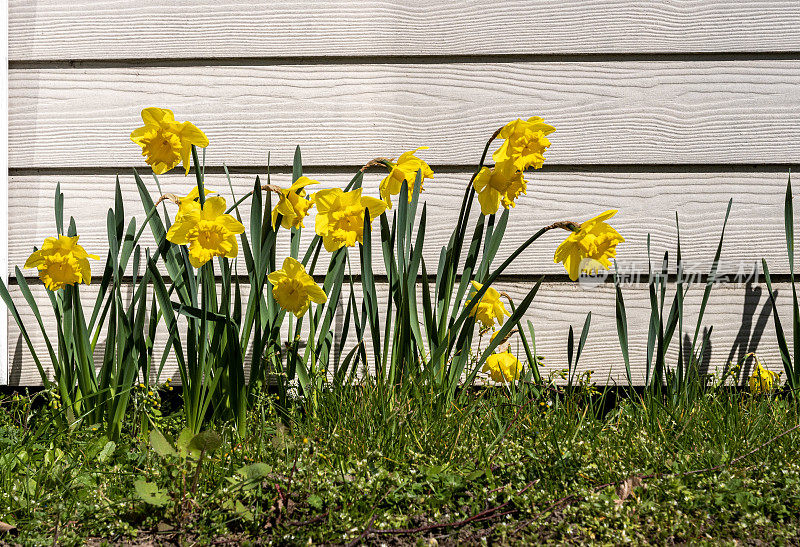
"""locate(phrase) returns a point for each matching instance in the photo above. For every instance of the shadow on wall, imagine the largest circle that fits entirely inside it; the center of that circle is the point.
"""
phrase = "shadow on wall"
(749, 335)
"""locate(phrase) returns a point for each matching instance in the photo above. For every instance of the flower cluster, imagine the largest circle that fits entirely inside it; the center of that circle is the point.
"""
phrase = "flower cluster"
(208, 232)
(524, 146)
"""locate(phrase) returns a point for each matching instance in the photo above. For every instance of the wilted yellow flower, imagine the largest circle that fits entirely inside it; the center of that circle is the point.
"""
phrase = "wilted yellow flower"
(207, 231)
(294, 289)
(165, 142)
(762, 379)
(292, 205)
(501, 184)
(525, 143)
(502, 367)
(590, 247)
(489, 308)
(61, 261)
(340, 216)
(404, 170)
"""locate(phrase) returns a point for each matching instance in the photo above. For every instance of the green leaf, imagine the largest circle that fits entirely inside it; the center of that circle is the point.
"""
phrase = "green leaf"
(107, 452)
(150, 493)
(315, 501)
(161, 445)
(622, 328)
(206, 441)
(297, 165)
(184, 439)
(255, 471)
(59, 209)
(782, 345)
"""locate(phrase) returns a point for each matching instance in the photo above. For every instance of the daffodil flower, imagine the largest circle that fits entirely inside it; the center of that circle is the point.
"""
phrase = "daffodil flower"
(340, 216)
(61, 261)
(294, 289)
(501, 184)
(293, 207)
(525, 143)
(590, 247)
(165, 143)
(762, 380)
(489, 308)
(405, 170)
(190, 202)
(502, 367)
(207, 231)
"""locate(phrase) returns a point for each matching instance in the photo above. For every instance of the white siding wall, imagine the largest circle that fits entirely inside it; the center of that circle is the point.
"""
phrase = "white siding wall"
(659, 107)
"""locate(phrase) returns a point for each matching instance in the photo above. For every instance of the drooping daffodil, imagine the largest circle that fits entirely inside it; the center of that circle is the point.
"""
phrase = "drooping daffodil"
(502, 367)
(405, 170)
(293, 205)
(590, 246)
(489, 308)
(525, 143)
(501, 184)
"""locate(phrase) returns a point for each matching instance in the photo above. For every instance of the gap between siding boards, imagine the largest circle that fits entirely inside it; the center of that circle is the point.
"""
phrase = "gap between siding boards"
(400, 59)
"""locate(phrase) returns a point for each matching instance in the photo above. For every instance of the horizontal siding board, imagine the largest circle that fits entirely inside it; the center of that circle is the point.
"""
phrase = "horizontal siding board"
(740, 316)
(631, 112)
(646, 201)
(109, 29)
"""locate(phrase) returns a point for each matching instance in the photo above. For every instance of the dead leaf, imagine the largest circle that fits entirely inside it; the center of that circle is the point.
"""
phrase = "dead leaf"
(7, 528)
(625, 489)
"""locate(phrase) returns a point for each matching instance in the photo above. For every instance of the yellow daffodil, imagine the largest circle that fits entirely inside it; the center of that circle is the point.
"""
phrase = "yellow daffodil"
(590, 247)
(190, 202)
(207, 231)
(294, 289)
(165, 143)
(194, 195)
(501, 184)
(293, 207)
(404, 170)
(340, 216)
(61, 261)
(762, 380)
(502, 367)
(525, 143)
(489, 308)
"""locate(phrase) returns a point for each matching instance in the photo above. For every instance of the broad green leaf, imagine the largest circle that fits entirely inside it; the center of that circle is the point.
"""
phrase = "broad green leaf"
(150, 493)
(162, 446)
(207, 441)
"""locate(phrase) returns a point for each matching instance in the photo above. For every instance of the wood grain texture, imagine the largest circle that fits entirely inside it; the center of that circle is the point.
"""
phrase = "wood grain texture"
(631, 112)
(108, 29)
(647, 203)
(740, 316)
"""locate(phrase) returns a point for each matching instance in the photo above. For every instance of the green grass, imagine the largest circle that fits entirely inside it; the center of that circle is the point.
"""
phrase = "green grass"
(552, 469)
